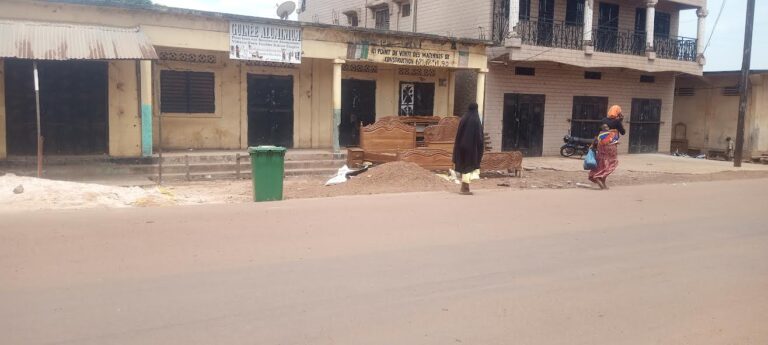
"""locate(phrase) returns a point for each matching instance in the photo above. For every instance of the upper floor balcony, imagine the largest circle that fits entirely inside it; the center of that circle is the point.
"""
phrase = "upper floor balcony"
(555, 34)
(616, 34)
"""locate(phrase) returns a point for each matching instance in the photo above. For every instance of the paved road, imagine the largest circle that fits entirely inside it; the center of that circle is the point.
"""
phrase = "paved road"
(685, 264)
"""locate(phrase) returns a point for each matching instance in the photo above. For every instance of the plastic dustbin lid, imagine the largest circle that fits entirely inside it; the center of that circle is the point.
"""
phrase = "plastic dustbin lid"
(266, 149)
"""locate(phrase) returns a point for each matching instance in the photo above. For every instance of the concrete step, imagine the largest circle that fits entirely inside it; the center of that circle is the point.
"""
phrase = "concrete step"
(232, 167)
(245, 158)
(227, 175)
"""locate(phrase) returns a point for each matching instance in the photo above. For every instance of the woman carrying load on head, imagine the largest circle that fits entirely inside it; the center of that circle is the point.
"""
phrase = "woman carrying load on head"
(607, 144)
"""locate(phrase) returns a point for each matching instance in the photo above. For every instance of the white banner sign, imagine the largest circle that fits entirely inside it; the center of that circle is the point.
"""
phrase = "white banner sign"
(264, 42)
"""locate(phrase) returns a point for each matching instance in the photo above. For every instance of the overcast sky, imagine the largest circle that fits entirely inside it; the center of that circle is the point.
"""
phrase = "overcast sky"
(724, 52)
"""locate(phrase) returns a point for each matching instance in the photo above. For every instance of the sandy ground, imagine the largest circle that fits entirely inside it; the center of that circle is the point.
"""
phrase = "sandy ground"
(651, 163)
(666, 264)
(541, 173)
(20, 193)
(540, 178)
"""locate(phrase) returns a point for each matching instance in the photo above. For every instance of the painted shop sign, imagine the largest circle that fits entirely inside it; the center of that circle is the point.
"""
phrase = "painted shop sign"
(401, 56)
(264, 42)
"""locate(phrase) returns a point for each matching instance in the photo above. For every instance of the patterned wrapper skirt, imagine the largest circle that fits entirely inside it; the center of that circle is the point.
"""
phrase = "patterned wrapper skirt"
(607, 161)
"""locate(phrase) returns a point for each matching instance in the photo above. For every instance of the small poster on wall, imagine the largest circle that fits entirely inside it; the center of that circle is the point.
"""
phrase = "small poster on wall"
(264, 42)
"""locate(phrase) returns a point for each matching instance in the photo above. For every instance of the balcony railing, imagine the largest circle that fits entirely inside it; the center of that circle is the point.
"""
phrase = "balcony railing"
(610, 40)
(675, 48)
(552, 34)
(555, 34)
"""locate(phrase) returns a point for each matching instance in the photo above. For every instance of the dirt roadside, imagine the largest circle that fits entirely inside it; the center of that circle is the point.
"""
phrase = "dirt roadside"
(405, 178)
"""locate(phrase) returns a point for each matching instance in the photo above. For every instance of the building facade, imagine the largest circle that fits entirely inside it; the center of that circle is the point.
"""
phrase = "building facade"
(184, 79)
(707, 109)
(558, 64)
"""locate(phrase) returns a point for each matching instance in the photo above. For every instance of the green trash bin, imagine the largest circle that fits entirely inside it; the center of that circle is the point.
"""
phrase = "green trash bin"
(267, 170)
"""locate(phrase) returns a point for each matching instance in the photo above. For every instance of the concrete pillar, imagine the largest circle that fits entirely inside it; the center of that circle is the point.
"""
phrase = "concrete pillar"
(514, 17)
(336, 103)
(481, 93)
(451, 93)
(650, 20)
(3, 145)
(145, 71)
(701, 32)
(589, 12)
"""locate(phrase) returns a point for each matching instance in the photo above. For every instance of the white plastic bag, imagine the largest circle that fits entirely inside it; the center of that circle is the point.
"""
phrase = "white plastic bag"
(340, 177)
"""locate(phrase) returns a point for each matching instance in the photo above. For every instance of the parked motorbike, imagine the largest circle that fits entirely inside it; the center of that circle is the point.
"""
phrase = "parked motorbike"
(575, 146)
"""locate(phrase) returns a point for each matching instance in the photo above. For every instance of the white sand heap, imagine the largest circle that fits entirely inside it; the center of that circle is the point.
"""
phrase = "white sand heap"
(42, 194)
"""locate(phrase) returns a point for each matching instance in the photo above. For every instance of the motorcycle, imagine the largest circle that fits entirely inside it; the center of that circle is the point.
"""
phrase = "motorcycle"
(575, 146)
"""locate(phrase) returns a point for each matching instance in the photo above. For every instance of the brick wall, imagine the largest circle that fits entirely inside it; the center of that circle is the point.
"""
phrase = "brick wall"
(560, 84)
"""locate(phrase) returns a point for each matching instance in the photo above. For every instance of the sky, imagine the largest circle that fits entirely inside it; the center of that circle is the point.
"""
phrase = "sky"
(724, 51)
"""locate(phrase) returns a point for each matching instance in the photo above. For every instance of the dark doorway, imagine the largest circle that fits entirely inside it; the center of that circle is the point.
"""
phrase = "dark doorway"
(574, 12)
(645, 124)
(417, 99)
(546, 22)
(607, 34)
(73, 107)
(661, 24)
(523, 126)
(270, 110)
(587, 114)
(358, 106)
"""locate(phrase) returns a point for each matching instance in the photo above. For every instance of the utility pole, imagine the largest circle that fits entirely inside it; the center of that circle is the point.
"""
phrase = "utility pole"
(744, 85)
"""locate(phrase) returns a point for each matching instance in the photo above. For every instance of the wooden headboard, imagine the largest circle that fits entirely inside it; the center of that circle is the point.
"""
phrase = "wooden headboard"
(388, 135)
(443, 131)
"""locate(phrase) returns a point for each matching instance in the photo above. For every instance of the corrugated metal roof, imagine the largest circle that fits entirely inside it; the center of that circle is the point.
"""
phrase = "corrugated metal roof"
(59, 41)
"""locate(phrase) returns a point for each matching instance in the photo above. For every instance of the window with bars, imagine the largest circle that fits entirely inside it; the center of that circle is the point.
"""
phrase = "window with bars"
(381, 15)
(187, 92)
(405, 10)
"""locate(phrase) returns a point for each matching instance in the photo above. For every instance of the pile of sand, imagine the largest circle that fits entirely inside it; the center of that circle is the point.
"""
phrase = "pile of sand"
(394, 177)
(42, 194)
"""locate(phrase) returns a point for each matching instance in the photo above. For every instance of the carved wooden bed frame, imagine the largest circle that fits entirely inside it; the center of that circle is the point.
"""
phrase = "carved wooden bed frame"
(389, 139)
(381, 141)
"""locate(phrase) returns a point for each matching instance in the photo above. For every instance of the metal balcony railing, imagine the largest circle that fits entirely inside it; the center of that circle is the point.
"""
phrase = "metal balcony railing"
(553, 34)
(556, 34)
(611, 40)
(675, 48)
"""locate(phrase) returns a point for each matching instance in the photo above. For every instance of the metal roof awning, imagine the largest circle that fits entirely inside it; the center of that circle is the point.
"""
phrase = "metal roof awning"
(61, 41)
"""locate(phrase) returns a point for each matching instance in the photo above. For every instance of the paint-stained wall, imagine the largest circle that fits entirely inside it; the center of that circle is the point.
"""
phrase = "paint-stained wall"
(710, 116)
(218, 130)
(124, 114)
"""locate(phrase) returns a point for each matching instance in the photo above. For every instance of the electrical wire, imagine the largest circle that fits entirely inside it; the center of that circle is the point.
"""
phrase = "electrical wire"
(714, 27)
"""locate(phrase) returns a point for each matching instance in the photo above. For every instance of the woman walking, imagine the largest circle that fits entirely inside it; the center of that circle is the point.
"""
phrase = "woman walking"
(468, 148)
(607, 144)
